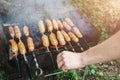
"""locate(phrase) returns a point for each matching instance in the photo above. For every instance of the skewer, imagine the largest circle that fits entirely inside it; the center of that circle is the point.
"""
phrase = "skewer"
(17, 32)
(22, 50)
(31, 48)
(59, 34)
(45, 39)
(75, 39)
(50, 29)
(61, 39)
(45, 42)
(52, 74)
(67, 38)
(14, 49)
(11, 32)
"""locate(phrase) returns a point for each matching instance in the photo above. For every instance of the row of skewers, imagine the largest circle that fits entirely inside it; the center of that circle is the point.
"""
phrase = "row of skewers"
(66, 32)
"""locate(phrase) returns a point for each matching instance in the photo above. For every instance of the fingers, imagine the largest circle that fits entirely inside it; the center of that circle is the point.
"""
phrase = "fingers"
(60, 56)
(61, 61)
(60, 64)
(64, 68)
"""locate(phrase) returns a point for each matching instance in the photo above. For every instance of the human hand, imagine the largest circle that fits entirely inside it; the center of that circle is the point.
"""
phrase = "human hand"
(69, 60)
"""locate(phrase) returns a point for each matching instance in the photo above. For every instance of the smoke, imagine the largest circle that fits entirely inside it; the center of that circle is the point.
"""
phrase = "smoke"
(30, 11)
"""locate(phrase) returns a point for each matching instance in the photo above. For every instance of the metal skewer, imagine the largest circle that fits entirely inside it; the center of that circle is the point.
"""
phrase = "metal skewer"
(71, 46)
(52, 74)
(15, 51)
(51, 57)
(22, 50)
(38, 71)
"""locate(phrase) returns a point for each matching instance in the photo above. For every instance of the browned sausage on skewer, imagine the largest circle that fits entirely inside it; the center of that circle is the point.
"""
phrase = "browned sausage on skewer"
(17, 32)
(53, 39)
(22, 48)
(60, 25)
(11, 32)
(60, 38)
(68, 39)
(14, 46)
(69, 21)
(26, 30)
(77, 32)
(55, 24)
(14, 49)
(31, 48)
(66, 36)
(45, 41)
(75, 29)
(30, 44)
(73, 37)
(41, 26)
(66, 26)
(49, 25)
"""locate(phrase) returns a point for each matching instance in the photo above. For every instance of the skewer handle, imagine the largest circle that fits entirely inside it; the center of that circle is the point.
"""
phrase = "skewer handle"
(28, 67)
(51, 56)
(18, 67)
(38, 70)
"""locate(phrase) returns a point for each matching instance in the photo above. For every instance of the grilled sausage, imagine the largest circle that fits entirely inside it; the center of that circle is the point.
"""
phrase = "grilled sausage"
(14, 46)
(69, 21)
(66, 36)
(77, 32)
(53, 39)
(30, 44)
(73, 37)
(41, 26)
(55, 24)
(60, 25)
(17, 32)
(11, 31)
(49, 25)
(60, 38)
(66, 26)
(26, 30)
(45, 41)
(21, 47)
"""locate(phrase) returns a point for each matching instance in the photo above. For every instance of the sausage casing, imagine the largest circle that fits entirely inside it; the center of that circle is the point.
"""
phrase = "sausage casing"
(77, 32)
(11, 31)
(66, 36)
(21, 47)
(60, 25)
(73, 37)
(53, 39)
(49, 25)
(17, 32)
(41, 26)
(26, 30)
(60, 38)
(55, 24)
(45, 40)
(30, 44)
(69, 21)
(14, 46)
(66, 26)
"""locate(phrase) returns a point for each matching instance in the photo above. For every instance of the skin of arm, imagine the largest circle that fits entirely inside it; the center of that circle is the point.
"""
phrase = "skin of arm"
(106, 51)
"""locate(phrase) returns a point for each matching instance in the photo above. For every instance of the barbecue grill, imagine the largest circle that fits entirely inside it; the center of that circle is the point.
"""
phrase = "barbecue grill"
(29, 13)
